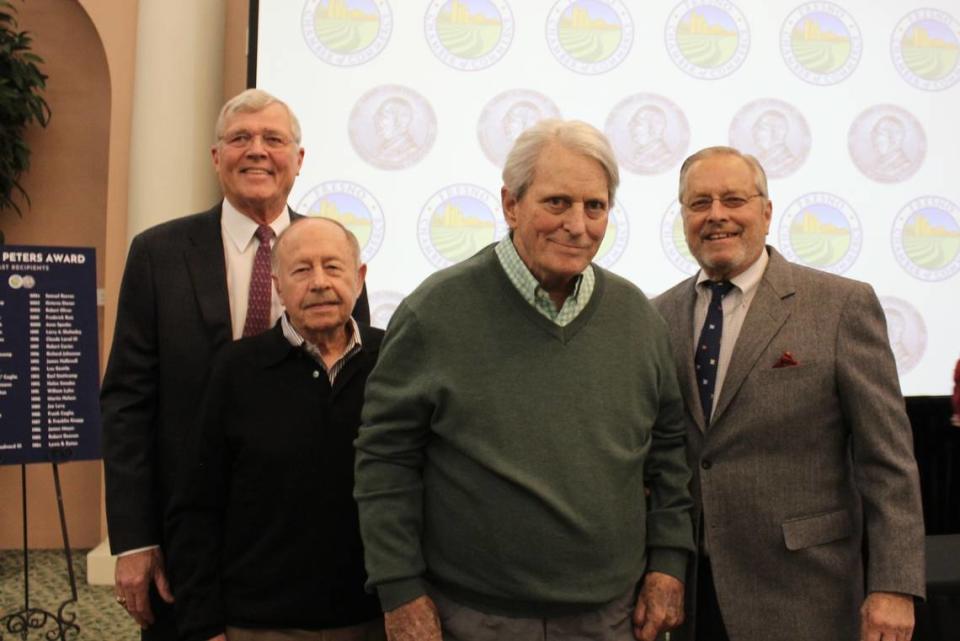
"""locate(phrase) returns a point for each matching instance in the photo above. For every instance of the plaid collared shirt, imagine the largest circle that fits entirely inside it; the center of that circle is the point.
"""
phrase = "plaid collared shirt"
(534, 294)
(353, 346)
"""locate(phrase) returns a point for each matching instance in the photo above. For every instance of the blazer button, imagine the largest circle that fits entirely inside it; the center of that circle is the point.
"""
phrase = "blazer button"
(316, 373)
(706, 464)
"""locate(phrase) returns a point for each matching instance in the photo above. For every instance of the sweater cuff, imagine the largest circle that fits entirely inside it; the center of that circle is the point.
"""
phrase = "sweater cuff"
(672, 561)
(393, 594)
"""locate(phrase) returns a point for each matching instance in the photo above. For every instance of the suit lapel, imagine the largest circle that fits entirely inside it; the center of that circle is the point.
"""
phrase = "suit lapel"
(768, 312)
(682, 336)
(207, 266)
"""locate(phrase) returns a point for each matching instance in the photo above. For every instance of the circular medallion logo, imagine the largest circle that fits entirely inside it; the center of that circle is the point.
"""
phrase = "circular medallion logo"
(353, 207)
(649, 133)
(392, 127)
(346, 32)
(674, 241)
(29, 282)
(507, 116)
(821, 230)
(469, 34)
(382, 306)
(15, 281)
(907, 332)
(589, 36)
(924, 47)
(615, 238)
(926, 238)
(887, 143)
(821, 43)
(707, 39)
(457, 222)
(773, 131)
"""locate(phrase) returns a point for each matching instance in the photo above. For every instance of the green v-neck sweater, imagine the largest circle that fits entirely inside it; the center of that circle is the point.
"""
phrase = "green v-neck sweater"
(503, 458)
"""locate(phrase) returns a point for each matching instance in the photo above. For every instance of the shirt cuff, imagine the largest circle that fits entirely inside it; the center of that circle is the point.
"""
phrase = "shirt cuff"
(135, 550)
(672, 561)
(393, 594)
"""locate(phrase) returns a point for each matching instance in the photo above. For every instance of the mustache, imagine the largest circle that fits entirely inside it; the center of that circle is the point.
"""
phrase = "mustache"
(321, 299)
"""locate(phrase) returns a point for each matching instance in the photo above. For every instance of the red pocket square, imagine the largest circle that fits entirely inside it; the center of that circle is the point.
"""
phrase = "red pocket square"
(786, 360)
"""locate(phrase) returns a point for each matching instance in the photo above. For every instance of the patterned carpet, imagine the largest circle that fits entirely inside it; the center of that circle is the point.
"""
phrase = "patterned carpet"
(96, 614)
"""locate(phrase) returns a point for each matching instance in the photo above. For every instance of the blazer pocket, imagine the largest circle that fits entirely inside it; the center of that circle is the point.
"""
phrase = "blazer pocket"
(786, 375)
(807, 531)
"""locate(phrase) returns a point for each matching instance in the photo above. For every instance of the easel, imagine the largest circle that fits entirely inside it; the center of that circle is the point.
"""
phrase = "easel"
(32, 618)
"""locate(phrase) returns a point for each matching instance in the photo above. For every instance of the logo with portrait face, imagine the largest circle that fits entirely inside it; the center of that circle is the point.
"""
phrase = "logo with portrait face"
(707, 39)
(469, 34)
(773, 131)
(346, 32)
(353, 207)
(615, 238)
(382, 306)
(821, 43)
(649, 133)
(589, 36)
(507, 116)
(887, 143)
(821, 230)
(392, 127)
(907, 332)
(457, 222)
(926, 238)
(925, 47)
(673, 241)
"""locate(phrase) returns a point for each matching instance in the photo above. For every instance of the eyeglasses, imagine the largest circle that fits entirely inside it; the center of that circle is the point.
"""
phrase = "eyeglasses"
(730, 201)
(244, 139)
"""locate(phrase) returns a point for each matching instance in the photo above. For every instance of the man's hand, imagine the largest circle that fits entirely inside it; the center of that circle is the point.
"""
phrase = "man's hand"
(135, 572)
(659, 606)
(886, 616)
(413, 621)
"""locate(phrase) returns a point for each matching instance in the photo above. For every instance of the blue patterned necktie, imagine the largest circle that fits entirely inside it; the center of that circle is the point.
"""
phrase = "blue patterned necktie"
(707, 358)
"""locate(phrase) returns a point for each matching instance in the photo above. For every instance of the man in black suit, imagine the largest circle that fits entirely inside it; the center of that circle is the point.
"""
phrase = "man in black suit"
(184, 294)
(263, 532)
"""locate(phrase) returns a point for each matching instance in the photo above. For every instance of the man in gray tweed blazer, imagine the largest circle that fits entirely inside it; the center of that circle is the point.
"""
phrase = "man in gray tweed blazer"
(807, 496)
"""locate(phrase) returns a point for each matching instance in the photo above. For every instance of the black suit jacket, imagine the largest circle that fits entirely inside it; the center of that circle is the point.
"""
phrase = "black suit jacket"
(263, 529)
(173, 316)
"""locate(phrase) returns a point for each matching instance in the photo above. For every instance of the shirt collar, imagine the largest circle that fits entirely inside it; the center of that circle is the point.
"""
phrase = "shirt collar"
(749, 279)
(354, 343)
(240, 228)
(520, 274)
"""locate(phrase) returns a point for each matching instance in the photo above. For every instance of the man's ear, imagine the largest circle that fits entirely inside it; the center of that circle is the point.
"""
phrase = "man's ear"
(361, 277)
(509, 204)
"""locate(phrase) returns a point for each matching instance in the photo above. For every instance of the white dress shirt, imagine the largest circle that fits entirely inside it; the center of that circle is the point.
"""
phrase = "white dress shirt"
(239, 249)
(735, 306)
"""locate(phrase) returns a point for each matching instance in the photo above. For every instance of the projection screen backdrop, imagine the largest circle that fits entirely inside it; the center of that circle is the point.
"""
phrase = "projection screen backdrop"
(408, 108)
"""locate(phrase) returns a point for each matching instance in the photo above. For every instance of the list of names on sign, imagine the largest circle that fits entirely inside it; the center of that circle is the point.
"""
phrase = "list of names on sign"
(48, 355)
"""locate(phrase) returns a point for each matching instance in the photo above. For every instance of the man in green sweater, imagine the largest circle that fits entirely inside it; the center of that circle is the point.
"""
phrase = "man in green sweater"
(521, 470)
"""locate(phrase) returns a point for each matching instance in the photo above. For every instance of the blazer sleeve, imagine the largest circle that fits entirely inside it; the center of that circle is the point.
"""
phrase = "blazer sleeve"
(884, 465)
(128, 404)
(195, 516)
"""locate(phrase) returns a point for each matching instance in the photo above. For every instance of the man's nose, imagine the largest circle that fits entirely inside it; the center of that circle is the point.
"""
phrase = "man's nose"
(256, 146)
(574, 221)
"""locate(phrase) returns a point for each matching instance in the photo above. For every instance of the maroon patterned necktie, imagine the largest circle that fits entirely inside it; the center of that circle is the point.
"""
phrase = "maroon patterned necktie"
(258, 303)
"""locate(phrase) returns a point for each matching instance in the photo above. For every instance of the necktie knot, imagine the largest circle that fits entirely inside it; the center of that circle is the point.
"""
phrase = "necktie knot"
(720, 287)
(264, 234)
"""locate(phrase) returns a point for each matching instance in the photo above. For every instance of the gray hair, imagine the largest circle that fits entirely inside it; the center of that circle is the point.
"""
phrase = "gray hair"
(759, 175)
(351, 239)
(252, 101)
(575, 135)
